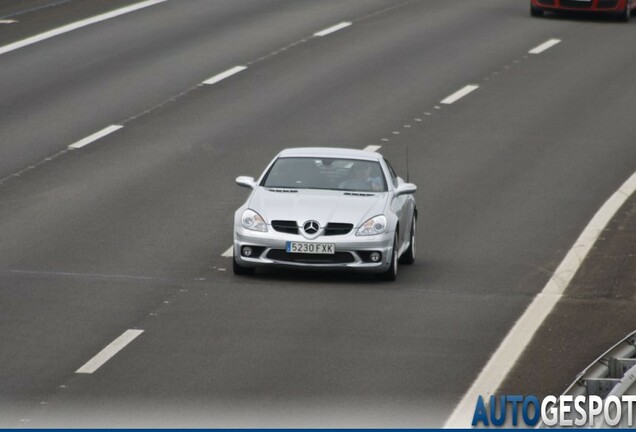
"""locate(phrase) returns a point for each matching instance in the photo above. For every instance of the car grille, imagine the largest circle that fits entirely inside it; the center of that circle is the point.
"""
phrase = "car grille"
(289, 227)
(576, 4)
(335, 228)
(608, 4)
(332, 228)
(337, 258)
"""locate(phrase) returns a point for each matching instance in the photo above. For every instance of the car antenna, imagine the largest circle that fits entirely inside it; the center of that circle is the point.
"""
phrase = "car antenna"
(407, 164)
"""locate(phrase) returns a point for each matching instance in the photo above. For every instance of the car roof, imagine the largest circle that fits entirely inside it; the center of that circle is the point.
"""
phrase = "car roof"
(330, 152)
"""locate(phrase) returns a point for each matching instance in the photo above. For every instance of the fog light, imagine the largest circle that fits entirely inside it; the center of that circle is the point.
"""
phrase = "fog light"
(375, 256)
(247, 251)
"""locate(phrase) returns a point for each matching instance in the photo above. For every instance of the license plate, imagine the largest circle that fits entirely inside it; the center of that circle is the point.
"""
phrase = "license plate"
(310, 248)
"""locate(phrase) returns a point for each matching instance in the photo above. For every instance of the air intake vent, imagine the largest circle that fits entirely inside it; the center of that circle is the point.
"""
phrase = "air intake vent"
(335, 228)
(576, 4)
(336, 258)
(362, 194)
(283, 190)
(610, 4)
(289, 227)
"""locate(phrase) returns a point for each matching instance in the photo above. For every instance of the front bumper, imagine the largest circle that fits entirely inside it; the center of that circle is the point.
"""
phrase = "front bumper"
(352, 252)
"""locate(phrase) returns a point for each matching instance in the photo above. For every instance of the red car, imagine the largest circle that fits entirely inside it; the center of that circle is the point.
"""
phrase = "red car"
(622, 9)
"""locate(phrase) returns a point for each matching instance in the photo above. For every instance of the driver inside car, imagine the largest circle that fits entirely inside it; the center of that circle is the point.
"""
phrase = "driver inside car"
(362, 179)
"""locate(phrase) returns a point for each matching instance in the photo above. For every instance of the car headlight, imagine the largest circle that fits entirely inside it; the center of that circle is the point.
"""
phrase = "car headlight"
(375, 225)
(253, 221)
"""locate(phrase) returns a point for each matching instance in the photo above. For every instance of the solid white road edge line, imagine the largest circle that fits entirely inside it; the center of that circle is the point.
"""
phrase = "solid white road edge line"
(503, 360)
(76, 25)
(460, 94)
(228, 73)
(97, 135)
(372, 148)
(332, 29)
(544, 46)
(107, 353)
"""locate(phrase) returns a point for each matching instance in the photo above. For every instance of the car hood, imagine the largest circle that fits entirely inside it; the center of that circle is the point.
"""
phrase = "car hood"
(323, 206)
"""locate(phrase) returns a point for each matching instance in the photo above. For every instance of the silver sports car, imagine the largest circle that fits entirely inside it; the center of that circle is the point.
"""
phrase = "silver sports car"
(326, 208)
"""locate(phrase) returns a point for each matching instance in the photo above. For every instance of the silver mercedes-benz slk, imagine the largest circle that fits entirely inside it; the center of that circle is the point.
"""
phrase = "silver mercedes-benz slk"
(326, 208)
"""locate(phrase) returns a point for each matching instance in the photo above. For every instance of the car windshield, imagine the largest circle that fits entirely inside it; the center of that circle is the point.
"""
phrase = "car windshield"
(326, 173)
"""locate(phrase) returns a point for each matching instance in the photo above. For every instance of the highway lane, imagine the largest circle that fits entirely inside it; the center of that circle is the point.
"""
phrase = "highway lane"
(131, 228)
(82, 81)
(22, 19)
(602, 293)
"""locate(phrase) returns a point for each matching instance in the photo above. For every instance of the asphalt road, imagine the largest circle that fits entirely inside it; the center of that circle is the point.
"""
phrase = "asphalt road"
(127, 233)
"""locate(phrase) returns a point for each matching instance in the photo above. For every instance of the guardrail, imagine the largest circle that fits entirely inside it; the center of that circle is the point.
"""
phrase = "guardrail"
(612, 374)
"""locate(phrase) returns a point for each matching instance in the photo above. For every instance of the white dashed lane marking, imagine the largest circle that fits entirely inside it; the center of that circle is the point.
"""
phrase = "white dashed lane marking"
(94, 137)
(223, 75)
(107, 353)
(544, 46)
(459, 94)
(332, 29)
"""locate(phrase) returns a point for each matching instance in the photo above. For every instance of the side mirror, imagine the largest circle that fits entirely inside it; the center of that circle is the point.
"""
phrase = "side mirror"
(246, 181)
(405, 189)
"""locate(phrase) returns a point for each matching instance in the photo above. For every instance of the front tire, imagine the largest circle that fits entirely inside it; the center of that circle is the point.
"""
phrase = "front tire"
(241, 271)
(536, 12)
(626, 14)
(391, 273)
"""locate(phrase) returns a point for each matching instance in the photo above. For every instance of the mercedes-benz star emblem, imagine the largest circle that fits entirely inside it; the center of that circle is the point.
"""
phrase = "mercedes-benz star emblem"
(311, 227)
